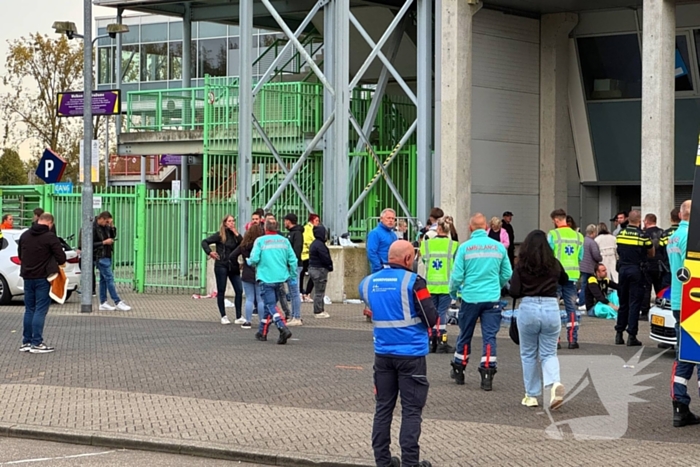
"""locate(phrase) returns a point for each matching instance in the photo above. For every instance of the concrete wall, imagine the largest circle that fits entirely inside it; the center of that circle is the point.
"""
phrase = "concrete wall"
(350, 266)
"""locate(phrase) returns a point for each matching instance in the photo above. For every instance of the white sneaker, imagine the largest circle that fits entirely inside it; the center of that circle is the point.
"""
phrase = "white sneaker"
(122, 306)
(225, 320)
(106, 307)
(529, 401)
(557, 396)
(582, 308)
(295, 322)
(322, 314)
(240, 320)
(327, 300)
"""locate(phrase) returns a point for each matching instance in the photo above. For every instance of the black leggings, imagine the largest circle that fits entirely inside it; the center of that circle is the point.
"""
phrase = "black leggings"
(310, 284)
(222, 274)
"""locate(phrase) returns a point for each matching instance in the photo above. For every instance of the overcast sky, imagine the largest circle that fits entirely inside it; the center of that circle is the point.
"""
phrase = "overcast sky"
(38, 16)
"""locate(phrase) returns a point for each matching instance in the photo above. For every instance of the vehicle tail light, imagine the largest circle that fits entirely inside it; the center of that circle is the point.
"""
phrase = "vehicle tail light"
(74, 260)
(15, 259)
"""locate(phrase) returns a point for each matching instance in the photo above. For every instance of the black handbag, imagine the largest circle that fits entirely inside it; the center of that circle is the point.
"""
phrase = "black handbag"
(513, 329)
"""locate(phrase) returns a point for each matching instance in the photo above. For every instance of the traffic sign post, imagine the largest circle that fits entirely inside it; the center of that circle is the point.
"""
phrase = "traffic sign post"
(51, 167)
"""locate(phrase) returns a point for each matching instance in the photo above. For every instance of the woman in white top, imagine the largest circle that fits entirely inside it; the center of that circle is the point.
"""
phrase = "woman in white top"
(608, 250)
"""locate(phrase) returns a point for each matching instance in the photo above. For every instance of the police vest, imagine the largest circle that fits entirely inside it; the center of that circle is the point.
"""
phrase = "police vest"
(567, 248)
(438, 254)
(397, 328)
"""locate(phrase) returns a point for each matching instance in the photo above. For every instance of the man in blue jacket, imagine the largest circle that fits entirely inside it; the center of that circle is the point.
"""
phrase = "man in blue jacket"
(403, 312)
(481, 269)
(275, 263)
(380, 239)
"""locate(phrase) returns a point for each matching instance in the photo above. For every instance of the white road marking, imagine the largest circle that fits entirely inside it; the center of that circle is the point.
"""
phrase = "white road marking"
(44, 459)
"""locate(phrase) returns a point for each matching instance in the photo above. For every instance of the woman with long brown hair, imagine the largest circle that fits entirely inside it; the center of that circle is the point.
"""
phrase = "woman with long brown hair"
(253, 293)
(226, 240)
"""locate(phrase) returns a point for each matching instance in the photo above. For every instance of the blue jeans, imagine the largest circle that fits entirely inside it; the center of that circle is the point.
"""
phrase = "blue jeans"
(221, 273)
(682, 372)
(252, 294)
(442, 303)
(582, 292)
(36, 305)
(539, 326)
(490, 314)
(293, 285)
(570, 316)
(104, 265)
(270, 312)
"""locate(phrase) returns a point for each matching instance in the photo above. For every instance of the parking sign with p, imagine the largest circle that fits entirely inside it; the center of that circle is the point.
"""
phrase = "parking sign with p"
(51, 167)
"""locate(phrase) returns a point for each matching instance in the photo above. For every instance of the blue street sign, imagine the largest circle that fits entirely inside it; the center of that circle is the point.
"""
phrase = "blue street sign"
(51, 167)
(63, 188)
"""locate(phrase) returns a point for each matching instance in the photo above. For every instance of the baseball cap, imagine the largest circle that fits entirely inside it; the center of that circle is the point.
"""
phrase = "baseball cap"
(291, 218)
(507, 213)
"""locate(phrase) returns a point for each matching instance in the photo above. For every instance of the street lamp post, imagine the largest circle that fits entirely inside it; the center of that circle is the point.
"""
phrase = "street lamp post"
(69, 29)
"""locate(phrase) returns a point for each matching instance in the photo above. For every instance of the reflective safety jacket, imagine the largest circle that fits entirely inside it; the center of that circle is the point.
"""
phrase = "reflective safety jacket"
(676, 249)
(481, 269)
(274, 259)
(398, 329)
(568, 249)
(438, 255)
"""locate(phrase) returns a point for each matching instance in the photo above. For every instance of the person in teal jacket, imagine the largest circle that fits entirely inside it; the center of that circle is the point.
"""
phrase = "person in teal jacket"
(275, 263)
(481, 269)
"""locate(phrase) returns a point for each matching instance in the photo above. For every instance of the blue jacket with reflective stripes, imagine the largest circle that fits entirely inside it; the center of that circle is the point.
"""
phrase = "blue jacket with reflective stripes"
(481, 269)
(274, 259)
(398, 329)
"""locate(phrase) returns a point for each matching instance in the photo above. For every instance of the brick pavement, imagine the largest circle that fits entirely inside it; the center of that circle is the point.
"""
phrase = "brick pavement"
(169, 371)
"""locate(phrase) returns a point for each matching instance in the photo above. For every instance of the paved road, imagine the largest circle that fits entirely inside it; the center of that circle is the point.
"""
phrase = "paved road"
(169, 371)
(33, 453)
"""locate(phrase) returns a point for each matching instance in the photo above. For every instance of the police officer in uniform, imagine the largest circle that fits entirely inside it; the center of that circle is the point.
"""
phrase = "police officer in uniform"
(402, 312)
(682, 371)
(634, 248)
(567, 245)
(438, 255)
(663, 243)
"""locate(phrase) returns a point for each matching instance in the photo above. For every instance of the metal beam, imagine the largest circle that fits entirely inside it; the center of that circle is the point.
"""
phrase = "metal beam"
(328, 109)
(378, 96)
(244, 171)
(184, 170)
(341, 72)
(387, 177)
(229, 11)
(385, 165)
(297, 165)
(280, 56)
(300, 48)
(155, 148)
(424, 69)
(263, 134)
(376, 49)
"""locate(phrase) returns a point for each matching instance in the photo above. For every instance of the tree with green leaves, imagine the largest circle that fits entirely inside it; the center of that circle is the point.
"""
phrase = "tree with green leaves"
(37, 69)
(12, 169)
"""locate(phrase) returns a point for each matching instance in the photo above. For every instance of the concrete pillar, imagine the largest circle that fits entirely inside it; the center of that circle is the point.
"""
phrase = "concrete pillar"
(455, 111)
(554, 112)
(658, 106)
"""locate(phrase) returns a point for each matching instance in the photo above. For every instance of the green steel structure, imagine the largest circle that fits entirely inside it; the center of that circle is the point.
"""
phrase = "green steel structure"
(148, 253)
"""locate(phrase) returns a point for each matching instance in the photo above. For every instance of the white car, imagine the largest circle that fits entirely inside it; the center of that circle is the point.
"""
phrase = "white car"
(661, 320)
(11, 284)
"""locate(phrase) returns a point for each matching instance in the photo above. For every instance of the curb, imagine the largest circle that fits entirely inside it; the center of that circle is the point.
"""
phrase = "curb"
(187, 448)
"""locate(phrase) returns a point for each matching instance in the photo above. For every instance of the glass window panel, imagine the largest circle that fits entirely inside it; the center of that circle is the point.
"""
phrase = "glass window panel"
(154, 62)
(175, 30)
(267, 40)
(105, 68)
(212, 30)
(154, 32)
(175, 60)
(131, 37)
(234, 43)
(212, 57)
(130, 63)
(104, 40)
(611, 67)
(684, 81)
(233, 30)
(234, 62)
